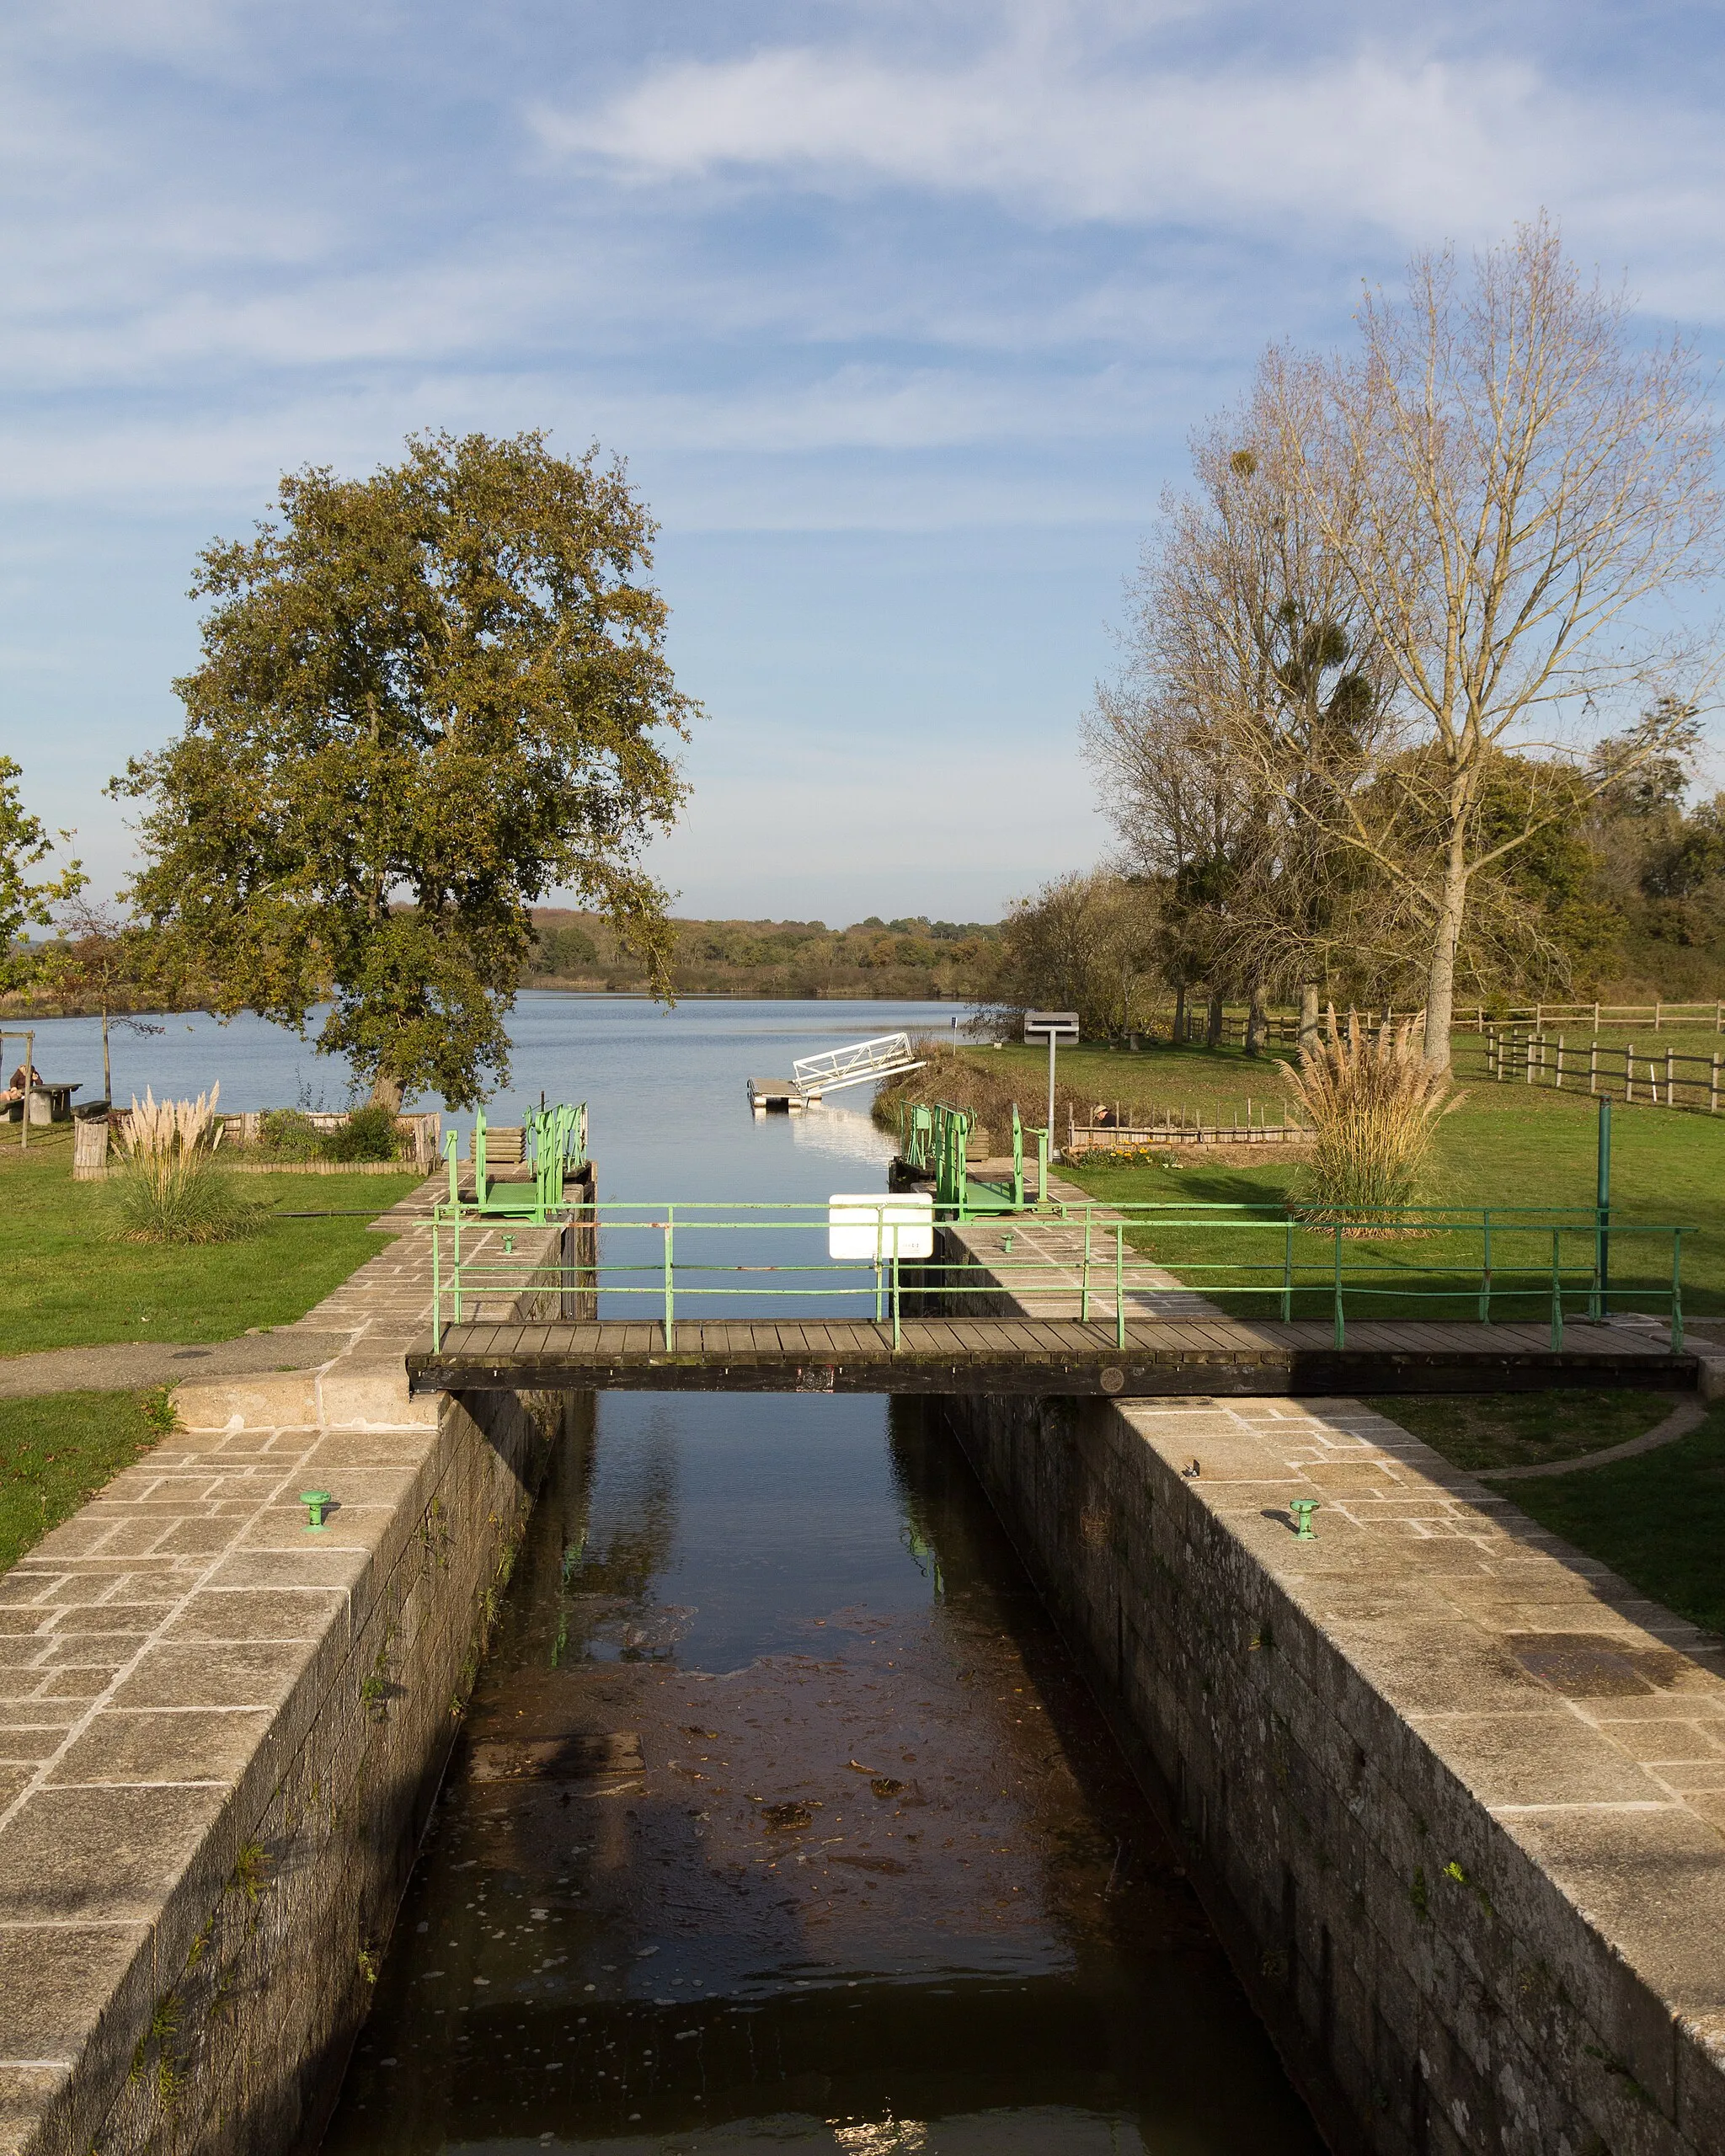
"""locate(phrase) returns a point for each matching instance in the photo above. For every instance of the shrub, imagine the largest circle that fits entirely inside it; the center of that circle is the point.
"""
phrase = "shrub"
(368, 1134)
(287, 1134)
(1373, 1106)
(169, 1192)
(962, 1081)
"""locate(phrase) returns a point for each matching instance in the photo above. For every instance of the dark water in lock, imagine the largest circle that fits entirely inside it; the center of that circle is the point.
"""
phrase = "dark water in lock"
(780, 1820)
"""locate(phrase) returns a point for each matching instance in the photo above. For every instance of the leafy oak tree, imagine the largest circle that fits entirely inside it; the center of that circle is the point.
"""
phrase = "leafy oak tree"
(24, 843)
(426, 698)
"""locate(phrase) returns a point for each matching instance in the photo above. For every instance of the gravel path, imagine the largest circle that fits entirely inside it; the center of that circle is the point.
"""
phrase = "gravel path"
(131, 1365)
(1688, 1414)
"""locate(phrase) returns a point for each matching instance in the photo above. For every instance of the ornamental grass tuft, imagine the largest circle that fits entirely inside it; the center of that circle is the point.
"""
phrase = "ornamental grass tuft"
(1374, 1107)
(168, 1191)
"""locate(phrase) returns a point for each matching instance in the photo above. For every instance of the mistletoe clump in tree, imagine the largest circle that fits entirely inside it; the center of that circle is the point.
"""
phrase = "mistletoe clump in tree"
(427, 698)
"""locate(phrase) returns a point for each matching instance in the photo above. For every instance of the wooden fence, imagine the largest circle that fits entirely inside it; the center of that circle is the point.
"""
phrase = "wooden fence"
(89, 1155)
(1666, 1079)
(1282, 1025)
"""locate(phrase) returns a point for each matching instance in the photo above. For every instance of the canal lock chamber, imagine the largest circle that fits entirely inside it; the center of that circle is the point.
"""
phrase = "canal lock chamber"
(781, 1818)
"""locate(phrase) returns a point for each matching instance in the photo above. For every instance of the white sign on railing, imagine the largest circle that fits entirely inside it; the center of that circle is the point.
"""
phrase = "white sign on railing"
(860, 1227)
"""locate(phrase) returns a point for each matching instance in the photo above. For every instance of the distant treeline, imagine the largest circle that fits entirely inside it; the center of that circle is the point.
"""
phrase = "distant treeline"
(911, 957)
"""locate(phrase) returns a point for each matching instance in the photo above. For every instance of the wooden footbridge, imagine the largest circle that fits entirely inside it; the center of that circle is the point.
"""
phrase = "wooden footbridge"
(1213, 1355)
(1073, 1298)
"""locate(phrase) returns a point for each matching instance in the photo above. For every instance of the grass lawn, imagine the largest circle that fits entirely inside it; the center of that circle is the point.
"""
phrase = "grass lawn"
(1507, 1146)
(1524, 1429)
(71, 1283)
(58, 1448)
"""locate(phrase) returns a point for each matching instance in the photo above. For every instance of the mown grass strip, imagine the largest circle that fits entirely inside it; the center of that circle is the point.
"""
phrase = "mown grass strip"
(72, 1281)
(57, 1449)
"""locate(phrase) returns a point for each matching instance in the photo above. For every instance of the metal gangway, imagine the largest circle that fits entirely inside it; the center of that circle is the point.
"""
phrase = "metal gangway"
(834, 1067)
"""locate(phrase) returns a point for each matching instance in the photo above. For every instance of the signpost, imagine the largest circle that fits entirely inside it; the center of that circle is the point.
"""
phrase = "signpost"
(1052, 1026)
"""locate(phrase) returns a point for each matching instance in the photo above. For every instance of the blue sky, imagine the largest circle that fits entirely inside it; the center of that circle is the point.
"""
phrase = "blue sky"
(900, 314)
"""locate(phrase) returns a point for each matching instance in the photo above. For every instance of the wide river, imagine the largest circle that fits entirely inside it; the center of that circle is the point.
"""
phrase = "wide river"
(782, 1819)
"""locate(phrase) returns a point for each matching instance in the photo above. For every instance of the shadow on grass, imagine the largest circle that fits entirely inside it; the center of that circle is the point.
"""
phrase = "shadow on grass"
(1658, 1520)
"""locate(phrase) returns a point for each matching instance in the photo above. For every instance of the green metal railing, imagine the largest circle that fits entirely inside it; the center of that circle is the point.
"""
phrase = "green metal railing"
(1490, 1264)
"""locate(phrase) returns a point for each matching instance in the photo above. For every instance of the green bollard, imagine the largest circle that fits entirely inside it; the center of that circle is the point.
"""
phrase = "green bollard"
(1302, 1510)
(317, 1503)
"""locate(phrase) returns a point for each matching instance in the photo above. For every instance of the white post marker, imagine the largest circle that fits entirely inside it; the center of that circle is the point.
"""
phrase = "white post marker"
(1052, 1026)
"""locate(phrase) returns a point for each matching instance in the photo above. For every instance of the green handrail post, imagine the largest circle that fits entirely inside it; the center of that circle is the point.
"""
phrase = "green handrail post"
(1556, 1291)
(1602, 1204)
(457, 1256)
(1485, 1273)
(1120, 1284)
(895, 1290)
(1341, 1323)
(1677, 1291)
(1288, 1272)
(436, 1291)
(1084, 1276)
(1018, 1160)
(670, 1307)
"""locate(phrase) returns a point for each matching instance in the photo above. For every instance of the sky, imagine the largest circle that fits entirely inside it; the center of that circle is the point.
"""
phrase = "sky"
(900, 314)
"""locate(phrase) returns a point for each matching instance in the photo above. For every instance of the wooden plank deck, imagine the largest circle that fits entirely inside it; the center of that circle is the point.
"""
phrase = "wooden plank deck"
(1044, 1355)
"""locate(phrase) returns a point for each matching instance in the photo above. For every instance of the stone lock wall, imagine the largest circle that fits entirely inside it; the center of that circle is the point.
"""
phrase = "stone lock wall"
(1455, 1794)
(221, 1731)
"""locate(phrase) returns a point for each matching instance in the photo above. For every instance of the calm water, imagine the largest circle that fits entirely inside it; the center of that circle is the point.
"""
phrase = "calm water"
(781, 1821)
(665, 1088)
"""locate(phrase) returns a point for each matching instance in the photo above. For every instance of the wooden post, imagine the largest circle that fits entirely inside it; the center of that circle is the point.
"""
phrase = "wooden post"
(1596, 1018)
(1560, 1063)
(1658, 1008)
(89, 1148)
(1713, 1088)
(1593, 1066)
(1629, 1072)
(1670, 1065)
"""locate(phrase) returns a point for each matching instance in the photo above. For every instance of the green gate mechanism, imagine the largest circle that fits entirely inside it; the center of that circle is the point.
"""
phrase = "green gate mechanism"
(554, 1144)
(934, 1142)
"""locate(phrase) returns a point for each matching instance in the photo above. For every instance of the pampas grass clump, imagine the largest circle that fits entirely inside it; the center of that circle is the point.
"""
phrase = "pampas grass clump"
(1374, 1107)
(168, 1191)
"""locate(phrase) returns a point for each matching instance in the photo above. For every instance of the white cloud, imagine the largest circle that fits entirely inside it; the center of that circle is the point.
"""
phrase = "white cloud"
(1420, 147)
(1371, 137)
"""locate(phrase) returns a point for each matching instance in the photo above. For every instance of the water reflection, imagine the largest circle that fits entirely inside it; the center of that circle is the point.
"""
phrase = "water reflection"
(843, 1134)
(781, 1821)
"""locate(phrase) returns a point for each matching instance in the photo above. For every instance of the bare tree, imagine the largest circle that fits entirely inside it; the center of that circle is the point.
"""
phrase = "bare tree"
(1250, 705)
(1513, 486)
